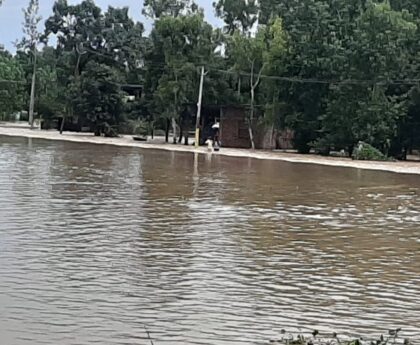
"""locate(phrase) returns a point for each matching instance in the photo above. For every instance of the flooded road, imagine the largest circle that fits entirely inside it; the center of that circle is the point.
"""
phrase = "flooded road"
(99, 242)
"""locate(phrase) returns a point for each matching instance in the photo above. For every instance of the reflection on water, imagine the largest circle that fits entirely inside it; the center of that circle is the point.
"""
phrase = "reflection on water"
(98, 242)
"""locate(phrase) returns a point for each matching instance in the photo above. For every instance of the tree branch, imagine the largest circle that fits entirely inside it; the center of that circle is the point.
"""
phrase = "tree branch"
(259, 75)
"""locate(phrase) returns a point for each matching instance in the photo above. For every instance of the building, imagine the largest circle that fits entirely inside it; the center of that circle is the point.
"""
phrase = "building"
(234, 131)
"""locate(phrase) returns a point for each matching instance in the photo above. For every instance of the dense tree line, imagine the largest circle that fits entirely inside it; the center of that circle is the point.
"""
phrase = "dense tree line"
(336, 72)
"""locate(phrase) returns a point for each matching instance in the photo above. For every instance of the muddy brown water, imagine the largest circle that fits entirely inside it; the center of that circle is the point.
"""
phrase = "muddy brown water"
(99, 242)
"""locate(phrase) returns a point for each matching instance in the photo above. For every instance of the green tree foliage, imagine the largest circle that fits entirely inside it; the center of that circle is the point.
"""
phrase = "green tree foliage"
(76, 28)
(336, 72)
(180, 44)
(337, 79)
(29, 44)
(11, 85)
(50, 91)
(376, 53)
(237, 14)
(85, 34)
(250, 57)
(100, 98)
(161, 8)
(123, 43)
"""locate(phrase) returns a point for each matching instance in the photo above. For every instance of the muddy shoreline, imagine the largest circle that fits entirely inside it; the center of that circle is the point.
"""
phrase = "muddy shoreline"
(127, 141)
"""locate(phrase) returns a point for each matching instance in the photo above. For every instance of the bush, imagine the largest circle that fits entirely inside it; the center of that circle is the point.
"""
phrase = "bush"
(302, 143)
(366, 152)
(322, 147)
(316, 338)
(135, 127)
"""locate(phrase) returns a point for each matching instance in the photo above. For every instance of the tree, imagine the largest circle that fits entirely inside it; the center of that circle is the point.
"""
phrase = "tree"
(11, 85)
(30, 43)
(311, 46)
(248, 56)
(272, 90)
(50, 91)
(124, 45)
(254, 55)
(160, 8)
(377, 53)
(268, 9)
(100, 98)
(237, 14)
(85, 34)
(180, 45)
(333, 71)
(77, 28)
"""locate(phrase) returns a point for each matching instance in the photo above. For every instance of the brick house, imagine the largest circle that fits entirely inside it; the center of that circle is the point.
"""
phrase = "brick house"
(233, 129)
(234, 132)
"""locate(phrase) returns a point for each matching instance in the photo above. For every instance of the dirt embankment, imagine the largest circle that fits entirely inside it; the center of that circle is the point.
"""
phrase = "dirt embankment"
(396, 167)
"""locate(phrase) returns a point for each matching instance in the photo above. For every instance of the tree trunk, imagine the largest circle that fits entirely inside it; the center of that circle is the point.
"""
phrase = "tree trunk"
(98, 128)
(181, 133)
(251, 115)
(251, 119)
(272, 138)
(152, 130)
(167, 131)
(32, 100)
(251, 136)
(76, 69)
(63, 121)
(175, 138)
(252, 112)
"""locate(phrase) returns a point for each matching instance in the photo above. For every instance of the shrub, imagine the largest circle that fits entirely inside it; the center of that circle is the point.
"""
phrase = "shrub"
(322, 147)
(366, 152)
(135, 127)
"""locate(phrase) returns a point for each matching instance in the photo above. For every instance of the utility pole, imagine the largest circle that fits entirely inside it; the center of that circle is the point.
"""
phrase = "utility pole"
(199, 104)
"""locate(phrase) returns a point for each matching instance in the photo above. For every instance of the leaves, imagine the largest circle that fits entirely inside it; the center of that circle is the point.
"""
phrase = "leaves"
(11, 86)
(238, 15)
(172, 8)
(336, 72)
(100, 96)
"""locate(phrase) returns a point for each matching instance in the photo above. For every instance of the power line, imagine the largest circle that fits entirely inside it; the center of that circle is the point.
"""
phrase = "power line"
(12, 81)
(320, 81)
(164, 66)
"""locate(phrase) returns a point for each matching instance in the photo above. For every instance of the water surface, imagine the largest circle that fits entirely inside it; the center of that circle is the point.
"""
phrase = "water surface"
(99, 242)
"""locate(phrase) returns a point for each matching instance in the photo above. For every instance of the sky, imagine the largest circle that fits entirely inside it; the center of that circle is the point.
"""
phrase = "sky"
(11, 16)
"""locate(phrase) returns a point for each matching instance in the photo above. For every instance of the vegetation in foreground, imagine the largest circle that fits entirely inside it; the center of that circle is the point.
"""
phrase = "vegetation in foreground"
(393, 337)
(315, 338)
(336, 72)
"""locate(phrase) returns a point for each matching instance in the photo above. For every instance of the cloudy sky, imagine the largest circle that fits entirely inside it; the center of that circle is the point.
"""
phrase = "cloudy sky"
(11, 16)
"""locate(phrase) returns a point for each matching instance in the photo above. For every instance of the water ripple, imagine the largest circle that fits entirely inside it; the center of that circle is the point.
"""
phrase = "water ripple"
(97, 243)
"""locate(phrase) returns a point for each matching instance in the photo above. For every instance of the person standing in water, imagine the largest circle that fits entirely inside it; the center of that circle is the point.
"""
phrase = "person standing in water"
(210, 145)
(216, 137)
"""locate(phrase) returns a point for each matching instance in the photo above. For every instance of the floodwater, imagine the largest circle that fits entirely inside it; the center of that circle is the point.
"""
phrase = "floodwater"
(100, 243)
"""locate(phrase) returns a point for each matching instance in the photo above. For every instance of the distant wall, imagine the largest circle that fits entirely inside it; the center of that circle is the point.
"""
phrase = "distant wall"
(233, 128)
(265, 138)
(285, 139)
(234, 132)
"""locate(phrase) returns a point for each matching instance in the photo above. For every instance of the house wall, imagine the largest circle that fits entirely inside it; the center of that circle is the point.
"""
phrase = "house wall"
(285, 139)
(234, 132)
(265, 138)
(233, 128)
